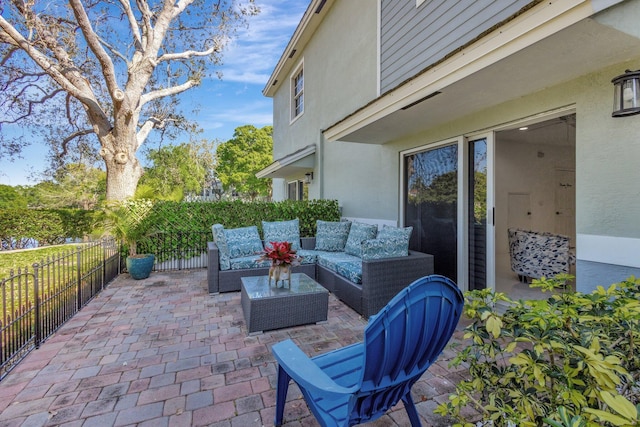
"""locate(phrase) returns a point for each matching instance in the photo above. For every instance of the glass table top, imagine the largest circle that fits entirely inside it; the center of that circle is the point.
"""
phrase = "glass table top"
(258, 286)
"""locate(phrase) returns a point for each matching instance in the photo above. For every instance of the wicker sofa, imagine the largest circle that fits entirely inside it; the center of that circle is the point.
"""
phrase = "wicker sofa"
(365, 281)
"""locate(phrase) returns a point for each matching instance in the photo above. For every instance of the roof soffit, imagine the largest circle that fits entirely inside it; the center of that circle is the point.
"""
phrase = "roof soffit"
(538, 23)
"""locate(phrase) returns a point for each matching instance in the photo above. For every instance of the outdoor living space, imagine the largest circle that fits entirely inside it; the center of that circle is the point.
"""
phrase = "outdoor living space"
(164, 352)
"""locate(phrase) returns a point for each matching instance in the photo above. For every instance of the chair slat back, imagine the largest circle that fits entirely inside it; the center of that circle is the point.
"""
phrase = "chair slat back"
(408, 335)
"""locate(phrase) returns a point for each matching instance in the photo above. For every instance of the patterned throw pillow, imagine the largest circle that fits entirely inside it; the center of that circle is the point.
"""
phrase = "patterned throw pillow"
(282, 231)
(390, 247)
(358, 233)
(223, 249)
(395, 232)
(331, 236)
(243, 241)
(399, 234)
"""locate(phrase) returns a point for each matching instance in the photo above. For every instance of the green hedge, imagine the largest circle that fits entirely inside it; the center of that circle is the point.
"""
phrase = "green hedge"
(46, 226)
(198, 216)
(52, 226)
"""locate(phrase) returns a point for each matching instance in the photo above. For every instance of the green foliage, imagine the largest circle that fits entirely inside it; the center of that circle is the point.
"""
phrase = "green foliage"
(19, 227)
(569, 360)
(169, 216)
(126, 222)
(177, 170)
(10, 198)
(238, 160)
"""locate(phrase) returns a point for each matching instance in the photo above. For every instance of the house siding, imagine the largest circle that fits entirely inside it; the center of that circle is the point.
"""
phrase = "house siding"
(411, 39)
(340, 75)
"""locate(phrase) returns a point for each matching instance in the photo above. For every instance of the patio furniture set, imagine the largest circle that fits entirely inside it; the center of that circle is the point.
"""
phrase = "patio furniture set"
(362, 266)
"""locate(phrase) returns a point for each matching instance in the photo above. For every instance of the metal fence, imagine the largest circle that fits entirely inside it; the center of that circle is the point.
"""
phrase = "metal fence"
(179, 250)
(36, 301)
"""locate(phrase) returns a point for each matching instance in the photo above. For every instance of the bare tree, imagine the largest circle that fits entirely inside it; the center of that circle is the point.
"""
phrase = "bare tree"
(102, 74)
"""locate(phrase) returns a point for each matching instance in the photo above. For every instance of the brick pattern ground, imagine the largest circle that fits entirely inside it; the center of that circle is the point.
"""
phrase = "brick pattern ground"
(164, 352)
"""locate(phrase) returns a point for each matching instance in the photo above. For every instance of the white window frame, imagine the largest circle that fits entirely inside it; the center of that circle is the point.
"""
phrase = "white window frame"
(297, 95)
(419, 2)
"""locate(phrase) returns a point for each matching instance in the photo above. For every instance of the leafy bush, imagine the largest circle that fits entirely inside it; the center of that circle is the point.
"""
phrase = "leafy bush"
(200, 216)
(570, 360)
(185, 227)
(21, 227)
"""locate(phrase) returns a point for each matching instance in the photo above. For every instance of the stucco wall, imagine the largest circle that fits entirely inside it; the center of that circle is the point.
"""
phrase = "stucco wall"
(340, 75)
(607, 171)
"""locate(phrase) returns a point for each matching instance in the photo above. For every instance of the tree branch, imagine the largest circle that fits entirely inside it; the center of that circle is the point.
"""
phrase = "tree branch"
(74, 135)
(38, 57)
(31, 103)
(161, 93)
(187, 54)
(93, 41)
(133, 24)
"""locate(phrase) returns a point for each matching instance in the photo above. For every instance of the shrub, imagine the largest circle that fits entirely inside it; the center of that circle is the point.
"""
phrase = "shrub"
(569, 360)
(22, 227)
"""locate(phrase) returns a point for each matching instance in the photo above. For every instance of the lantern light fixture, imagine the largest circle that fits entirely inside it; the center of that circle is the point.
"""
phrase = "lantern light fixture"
(308, 177)
(626, 96)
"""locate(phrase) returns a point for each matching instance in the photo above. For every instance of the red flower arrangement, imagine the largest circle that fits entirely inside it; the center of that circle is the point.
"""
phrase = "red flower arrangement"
(280, 253)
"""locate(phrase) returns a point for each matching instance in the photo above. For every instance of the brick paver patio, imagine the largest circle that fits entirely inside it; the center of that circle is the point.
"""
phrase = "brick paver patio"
(164, 352)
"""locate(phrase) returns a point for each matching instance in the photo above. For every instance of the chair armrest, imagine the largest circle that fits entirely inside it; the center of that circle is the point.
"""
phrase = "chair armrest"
(213, 268)
(305, 372)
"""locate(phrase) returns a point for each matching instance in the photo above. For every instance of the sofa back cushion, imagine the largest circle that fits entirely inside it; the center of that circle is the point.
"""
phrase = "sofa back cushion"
(243, 241)
(390, 247)
(282, 231)
(395, 232)
(331, 236)
(358, 233)
(223, 249)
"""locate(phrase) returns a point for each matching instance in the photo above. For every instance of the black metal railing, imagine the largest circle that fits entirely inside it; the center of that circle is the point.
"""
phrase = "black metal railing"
(36, 301)
(178, 250)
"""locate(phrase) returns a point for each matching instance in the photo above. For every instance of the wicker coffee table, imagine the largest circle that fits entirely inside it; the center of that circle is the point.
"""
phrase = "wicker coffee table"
(269, 307)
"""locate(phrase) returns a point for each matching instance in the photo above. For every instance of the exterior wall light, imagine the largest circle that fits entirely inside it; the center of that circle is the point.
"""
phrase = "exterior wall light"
(308, 177)
(626, 96)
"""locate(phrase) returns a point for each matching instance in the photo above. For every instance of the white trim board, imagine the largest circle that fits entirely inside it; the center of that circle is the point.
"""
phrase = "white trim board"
(623, 251)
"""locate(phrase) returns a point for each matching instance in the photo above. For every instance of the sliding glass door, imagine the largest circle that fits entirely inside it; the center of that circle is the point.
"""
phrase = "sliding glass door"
(431, 205)
(477, 213)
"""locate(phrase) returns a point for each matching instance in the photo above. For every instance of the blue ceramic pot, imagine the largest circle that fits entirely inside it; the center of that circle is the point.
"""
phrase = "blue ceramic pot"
(140, 266)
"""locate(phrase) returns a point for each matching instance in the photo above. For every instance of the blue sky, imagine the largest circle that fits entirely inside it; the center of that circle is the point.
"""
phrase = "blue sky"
(224, 104)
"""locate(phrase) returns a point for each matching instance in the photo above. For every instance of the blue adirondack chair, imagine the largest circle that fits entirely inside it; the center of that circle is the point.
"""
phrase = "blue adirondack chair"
(360, 382)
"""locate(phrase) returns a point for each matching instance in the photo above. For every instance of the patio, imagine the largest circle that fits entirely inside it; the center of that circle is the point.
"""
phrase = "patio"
(164, 352)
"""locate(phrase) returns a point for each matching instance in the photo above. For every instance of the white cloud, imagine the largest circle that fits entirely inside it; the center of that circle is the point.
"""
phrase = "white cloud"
(252, 55)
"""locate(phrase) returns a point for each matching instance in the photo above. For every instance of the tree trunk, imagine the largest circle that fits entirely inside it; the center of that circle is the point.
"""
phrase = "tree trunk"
(122, 179)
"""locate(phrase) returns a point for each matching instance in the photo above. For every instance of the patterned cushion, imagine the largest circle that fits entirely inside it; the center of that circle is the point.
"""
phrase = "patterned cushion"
(358, 233)
(331, 236)
(330, 260)
(384, 248)
(352, 270)
(243, 241)
(403, 234)
(282, 231)
(395, 232)
(539, 254)
(241, 263)
(223, 249)
(308, 256)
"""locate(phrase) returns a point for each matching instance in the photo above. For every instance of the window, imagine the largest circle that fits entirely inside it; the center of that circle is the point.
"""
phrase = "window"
(297, 93)
(297, 190)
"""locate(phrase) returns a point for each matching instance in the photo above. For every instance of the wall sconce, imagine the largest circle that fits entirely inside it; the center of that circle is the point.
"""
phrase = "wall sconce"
(308, 177)
(626, 96)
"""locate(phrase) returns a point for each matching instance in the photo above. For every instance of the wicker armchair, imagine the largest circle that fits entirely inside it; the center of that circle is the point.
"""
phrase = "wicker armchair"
(537, 254)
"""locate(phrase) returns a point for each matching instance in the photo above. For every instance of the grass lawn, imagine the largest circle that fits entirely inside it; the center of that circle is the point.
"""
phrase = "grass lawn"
(25, 258)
